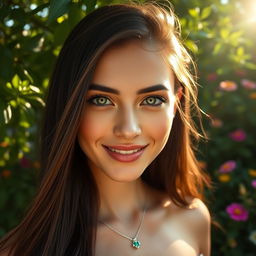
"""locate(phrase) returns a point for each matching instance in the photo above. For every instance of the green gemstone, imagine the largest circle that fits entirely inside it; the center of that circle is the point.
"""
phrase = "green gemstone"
(136, 244)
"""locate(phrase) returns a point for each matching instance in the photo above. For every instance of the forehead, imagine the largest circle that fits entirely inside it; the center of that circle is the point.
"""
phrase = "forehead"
(131, 66)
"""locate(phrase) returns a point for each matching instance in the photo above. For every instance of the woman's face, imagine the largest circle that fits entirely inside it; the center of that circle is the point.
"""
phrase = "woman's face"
(129, 112)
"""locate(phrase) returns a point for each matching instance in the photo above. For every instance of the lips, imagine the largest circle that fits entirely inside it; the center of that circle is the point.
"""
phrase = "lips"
(125, 153)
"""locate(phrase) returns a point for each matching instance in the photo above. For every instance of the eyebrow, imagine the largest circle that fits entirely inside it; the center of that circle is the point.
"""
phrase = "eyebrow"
(153, 88)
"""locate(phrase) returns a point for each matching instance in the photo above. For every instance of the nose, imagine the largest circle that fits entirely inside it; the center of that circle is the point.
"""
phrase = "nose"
(127, 125)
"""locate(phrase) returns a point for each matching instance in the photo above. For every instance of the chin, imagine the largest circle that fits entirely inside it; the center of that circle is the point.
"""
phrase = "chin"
(125, 179)
(124, 176)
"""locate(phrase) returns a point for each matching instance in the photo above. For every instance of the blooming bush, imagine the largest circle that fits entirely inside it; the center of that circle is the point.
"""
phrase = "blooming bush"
(230, 158)
(228, 95)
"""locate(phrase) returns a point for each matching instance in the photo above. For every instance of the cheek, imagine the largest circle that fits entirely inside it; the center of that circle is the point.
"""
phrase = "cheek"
(94, 126)
(159, 126)
(162, 127)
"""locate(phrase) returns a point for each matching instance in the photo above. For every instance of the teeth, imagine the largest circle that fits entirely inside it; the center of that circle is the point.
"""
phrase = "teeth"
(124, 152)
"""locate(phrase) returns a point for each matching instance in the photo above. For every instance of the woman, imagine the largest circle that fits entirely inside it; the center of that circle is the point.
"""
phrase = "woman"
(119, 176)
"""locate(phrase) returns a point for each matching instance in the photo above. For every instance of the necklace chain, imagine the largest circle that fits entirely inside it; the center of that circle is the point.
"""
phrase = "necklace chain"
(135, 242)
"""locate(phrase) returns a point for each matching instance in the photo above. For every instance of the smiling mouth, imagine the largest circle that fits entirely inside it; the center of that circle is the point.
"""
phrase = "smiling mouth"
(127, 155)
(125, 150)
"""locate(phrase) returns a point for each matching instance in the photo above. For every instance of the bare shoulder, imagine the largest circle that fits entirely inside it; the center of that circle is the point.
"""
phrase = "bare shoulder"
(195, 216)
(198, 211)
(198, 219)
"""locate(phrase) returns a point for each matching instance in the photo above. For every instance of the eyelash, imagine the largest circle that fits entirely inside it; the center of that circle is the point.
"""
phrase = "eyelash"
(90, 100)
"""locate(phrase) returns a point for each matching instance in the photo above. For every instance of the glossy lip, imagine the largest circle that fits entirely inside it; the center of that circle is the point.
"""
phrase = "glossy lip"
(125, 158)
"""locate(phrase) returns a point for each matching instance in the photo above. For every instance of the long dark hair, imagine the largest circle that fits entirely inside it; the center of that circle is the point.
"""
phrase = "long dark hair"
(62, 218)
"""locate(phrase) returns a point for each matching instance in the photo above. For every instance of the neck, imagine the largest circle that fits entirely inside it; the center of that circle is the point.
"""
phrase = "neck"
(119, 200)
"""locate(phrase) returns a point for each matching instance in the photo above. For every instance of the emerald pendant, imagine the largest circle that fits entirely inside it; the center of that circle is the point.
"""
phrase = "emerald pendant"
(135, 243)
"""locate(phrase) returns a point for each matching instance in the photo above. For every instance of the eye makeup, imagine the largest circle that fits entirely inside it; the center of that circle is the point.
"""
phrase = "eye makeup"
(102, 100)
(99, 100)
(156, 98)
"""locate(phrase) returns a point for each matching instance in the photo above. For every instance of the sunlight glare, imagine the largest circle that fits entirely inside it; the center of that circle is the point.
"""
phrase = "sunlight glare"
(252, 12)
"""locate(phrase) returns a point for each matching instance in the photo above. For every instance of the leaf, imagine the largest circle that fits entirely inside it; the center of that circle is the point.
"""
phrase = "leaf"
(224, 33)
(236, 35)
(13, 103)
(28, 76)
(217, 48)
(25, 84)
(240, 51)
(9, 85)
(206, 12)
(35, 100)
(250, 65)
(194, 12)
(16, 81)
(7, 114)
(192, 46)
(34, 88)
(57, 9)
(24, 124)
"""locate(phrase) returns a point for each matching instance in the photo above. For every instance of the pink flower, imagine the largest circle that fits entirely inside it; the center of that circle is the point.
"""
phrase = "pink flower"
(253, 183)
(237, 212)
(212, 77)
(228, 166)
(228, 86)
(238, 135)
(247, 84)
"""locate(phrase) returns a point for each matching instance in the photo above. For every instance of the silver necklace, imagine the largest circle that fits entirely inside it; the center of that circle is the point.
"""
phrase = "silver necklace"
(135, 242)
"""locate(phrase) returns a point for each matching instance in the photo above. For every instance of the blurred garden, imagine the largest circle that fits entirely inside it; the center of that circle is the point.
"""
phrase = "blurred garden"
(220, 35)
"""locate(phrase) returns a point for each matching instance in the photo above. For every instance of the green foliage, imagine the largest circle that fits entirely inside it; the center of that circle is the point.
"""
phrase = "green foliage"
(57, 8)
(220, 37)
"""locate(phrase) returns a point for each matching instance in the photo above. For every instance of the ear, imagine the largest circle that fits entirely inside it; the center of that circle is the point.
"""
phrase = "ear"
(178, 96)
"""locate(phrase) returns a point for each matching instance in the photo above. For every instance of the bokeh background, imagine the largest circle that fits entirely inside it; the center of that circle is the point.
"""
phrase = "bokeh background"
(220, 35)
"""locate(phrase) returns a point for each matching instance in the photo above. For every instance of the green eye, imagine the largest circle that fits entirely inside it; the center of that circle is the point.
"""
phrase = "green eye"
(154, 101)
(100, 101)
